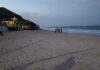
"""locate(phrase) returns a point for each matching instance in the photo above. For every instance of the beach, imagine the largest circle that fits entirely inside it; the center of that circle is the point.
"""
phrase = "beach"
(47, 50)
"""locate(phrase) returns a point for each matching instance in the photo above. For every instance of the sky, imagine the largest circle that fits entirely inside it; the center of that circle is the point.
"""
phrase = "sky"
(56, 12)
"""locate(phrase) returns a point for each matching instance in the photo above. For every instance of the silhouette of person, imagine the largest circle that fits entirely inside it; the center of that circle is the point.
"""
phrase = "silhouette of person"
(61, 29)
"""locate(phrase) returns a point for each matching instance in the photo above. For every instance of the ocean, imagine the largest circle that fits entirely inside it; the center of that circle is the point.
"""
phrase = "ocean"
(77, 31)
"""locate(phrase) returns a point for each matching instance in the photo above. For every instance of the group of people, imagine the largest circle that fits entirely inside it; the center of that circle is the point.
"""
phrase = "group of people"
(58, 29)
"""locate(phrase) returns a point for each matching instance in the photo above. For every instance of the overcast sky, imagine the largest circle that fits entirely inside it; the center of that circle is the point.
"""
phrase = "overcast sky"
(57, 12)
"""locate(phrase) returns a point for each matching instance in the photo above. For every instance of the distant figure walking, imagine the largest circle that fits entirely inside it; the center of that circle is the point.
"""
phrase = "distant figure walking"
(58, 29)
(61, 30)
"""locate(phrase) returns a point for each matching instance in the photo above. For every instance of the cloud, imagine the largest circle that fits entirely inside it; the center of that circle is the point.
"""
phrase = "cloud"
(84, 1)
(46, 20)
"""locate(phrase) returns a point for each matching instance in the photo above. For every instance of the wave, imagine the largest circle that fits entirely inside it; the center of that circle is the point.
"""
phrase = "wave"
(82, 31)
(77, 31)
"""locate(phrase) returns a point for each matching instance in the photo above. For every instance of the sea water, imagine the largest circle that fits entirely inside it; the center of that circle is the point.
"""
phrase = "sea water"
(82, 31)
(77, 31)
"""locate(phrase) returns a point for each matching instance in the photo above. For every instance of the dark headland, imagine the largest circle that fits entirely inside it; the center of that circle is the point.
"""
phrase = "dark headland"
(14, 21)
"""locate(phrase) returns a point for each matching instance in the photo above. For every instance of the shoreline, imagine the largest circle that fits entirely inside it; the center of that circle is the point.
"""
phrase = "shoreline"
(77, 31)
(68, 33)
(73, 33)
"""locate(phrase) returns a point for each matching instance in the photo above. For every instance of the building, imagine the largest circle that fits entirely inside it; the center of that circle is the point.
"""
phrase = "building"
(14, 21)
(28, 25)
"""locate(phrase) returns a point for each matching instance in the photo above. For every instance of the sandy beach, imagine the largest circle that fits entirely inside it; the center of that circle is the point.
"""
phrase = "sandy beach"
(45, 50)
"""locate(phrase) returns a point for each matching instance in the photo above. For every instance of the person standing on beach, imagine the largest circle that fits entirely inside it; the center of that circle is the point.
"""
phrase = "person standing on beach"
(61, 30)
(58, 29)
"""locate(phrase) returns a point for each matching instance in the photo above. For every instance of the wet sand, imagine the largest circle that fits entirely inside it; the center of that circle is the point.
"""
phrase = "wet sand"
(44, 50)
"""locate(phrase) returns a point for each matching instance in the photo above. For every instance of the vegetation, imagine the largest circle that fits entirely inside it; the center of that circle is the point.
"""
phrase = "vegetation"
(14, 21)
